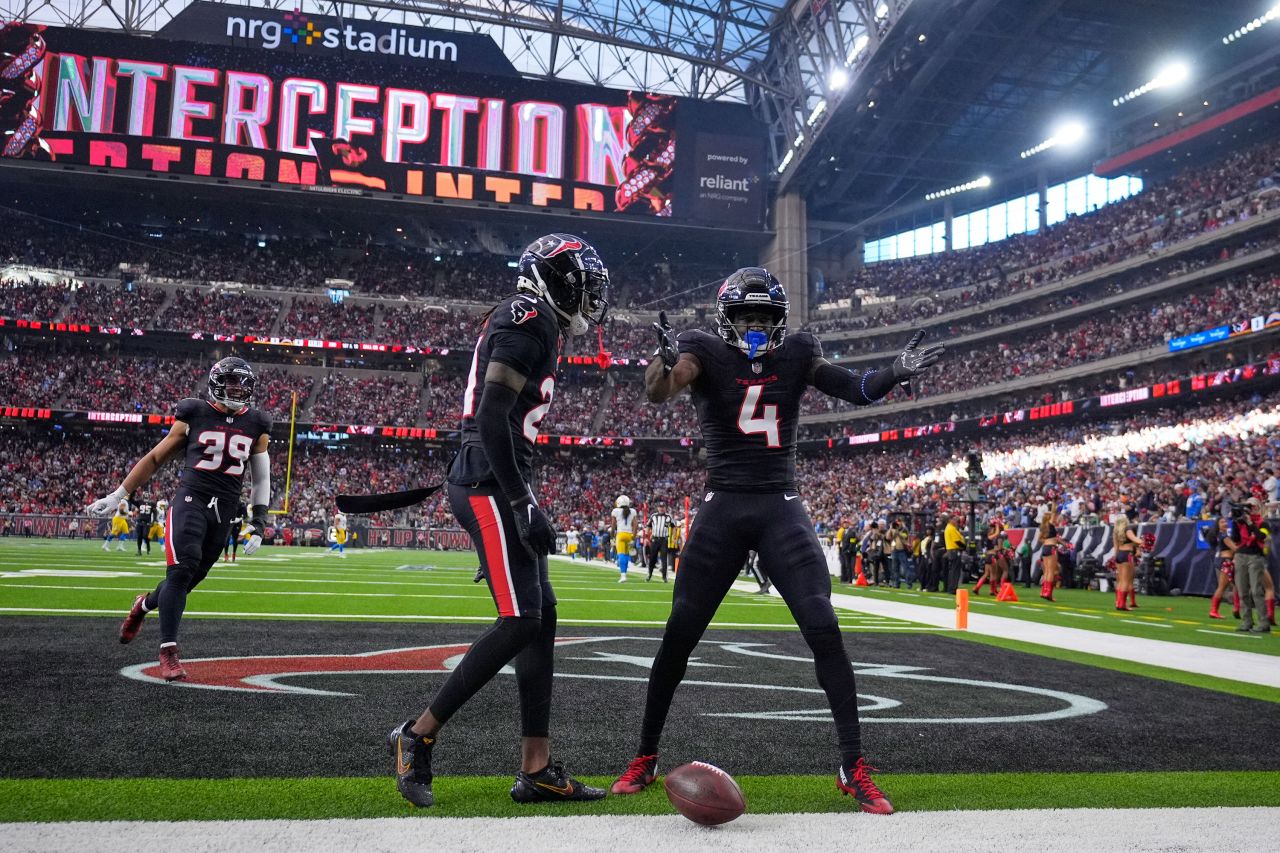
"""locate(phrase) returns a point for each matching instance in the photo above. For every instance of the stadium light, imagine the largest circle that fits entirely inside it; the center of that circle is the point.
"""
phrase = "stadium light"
(1172, 74)
(1270, 15)
(977, 183)
(786, 161)
(818, 109)
(838, 78)
(859, 45)
(1068, 133)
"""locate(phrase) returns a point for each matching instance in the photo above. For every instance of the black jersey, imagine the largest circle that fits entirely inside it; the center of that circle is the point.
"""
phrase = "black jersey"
(522, 333)
(218, 446)
(146, 513)
(749, 416)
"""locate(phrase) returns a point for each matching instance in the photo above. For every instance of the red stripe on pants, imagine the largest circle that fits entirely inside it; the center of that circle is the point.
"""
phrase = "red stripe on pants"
(495, 556)
(169, 557)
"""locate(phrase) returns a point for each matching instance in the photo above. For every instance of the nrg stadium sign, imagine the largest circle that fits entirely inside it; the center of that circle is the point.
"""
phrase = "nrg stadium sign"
(298, 32)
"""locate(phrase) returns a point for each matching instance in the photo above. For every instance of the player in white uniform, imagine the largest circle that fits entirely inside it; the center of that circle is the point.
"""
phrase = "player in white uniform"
(624, 529)
(338, 537)
(571, 543)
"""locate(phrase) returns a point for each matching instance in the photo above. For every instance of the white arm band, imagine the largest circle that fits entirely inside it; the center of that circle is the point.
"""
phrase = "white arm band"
(260, 467)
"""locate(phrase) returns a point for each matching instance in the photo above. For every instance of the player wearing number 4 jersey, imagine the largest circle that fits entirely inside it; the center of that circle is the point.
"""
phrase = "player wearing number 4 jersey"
(220, 438)
(747, 382)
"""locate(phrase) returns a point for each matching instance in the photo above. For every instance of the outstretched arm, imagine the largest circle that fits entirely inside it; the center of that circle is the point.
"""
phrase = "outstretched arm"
(865, 388)
(671, 371)
(144, 469)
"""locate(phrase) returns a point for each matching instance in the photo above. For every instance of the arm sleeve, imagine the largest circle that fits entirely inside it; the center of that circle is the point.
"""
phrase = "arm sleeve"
(260, 492)
(496, 403)
(862, 389)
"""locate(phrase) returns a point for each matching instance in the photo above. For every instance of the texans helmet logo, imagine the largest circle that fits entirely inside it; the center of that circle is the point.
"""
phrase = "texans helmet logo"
(564, 246)
(522, 310)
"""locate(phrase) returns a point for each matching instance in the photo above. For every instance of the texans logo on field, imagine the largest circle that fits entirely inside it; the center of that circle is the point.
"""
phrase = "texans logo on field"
(522, 310)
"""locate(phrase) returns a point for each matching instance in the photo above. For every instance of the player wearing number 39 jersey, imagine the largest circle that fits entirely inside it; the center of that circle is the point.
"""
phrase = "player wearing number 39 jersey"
(747, 382)
(220, 439)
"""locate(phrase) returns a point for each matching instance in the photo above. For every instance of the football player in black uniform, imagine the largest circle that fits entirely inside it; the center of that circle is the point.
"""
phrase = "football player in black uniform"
(561, 287)
(219, 438)
(144, 514)
(747, 382)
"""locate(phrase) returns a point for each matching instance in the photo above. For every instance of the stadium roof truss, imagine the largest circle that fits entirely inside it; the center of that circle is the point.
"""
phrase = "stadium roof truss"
(776, 58)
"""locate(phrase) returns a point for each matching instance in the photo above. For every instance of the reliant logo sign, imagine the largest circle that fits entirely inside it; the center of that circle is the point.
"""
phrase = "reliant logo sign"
(299, 31)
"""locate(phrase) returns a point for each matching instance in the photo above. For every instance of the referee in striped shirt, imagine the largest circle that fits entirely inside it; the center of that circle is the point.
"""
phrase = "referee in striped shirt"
(659, 528)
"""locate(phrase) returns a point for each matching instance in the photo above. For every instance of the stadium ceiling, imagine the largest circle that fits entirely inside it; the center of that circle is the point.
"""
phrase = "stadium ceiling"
(957, 88)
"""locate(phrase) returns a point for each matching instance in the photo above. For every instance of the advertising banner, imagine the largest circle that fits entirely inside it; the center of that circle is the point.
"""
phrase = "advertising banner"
(350, 108)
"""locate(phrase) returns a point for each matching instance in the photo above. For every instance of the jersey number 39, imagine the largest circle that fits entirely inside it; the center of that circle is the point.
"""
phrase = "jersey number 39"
(218, 447)
(766, 422)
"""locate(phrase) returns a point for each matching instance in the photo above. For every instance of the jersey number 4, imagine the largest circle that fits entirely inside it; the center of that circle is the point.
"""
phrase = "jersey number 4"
(217, 449)
(766, 422)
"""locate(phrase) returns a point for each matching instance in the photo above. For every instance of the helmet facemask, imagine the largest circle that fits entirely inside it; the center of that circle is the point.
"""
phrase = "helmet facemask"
(754, 329)
(231, 384)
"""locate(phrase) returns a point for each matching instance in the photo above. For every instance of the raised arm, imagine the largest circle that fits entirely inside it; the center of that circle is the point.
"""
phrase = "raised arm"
(864, 388)
(671, 371)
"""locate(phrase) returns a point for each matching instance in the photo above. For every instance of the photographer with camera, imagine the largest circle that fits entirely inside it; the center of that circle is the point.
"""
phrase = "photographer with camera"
(1247, 539)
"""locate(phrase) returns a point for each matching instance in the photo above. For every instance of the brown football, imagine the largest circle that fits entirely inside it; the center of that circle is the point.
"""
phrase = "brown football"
(704, 793)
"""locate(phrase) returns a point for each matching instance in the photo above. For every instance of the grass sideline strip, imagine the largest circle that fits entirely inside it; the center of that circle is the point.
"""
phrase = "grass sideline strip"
(41, 800)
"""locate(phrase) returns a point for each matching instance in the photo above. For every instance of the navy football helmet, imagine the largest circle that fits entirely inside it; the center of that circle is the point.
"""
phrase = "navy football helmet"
(231, 383)
(567, 272)
(752, 289)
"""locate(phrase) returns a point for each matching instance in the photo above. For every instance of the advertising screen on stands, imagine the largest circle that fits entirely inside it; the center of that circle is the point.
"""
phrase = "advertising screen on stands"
(276, 98)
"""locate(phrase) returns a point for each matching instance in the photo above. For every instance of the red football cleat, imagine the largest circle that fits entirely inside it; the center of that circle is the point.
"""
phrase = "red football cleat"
(132, 623)
(170, 667)
(639, 774)
(858, 784)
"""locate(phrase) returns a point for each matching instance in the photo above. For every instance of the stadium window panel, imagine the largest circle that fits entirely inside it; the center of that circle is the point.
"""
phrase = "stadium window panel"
(1016, 216)
(978, 227)
(997, 227)
(1099, 194)
(924, 240)
(905, 244)
(871, 252)
(1077, 198)
(960, 232)
(1033, 212)
(1135, 185)
(1057, 204)
(939, 236)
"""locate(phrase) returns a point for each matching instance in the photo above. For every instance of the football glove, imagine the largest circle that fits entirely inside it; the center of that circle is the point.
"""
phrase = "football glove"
(107, 505)
(667, 349)
(533, 527)
(257, 526)
(913, 361)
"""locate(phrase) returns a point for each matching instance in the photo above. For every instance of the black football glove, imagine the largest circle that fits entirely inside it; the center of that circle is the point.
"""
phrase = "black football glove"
(533, 527)
(667, 349)
(913, 361)
(257, 527)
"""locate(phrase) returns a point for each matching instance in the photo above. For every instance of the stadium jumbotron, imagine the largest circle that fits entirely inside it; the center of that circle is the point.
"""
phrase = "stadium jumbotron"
(727, 425)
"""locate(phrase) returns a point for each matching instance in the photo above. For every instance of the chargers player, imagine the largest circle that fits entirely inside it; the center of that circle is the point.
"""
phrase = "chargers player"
(571, 543)
(119, 527)
(624, 530)
(561, 288)
(157, 529)
(338, 535)
(747, 381)
(219, 438)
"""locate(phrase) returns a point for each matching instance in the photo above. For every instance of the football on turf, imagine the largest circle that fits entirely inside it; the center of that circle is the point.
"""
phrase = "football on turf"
(704, 793)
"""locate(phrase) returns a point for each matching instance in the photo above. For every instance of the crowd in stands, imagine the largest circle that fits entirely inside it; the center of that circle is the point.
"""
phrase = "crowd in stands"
(442, 401)
(274, 392)
(429, 325)
(219, 311)
(32, 300)
(1166, 464)
(317, 319)
(32, 379)
(112, 305)
(111, 383)
(386, 399)
(1198, 199)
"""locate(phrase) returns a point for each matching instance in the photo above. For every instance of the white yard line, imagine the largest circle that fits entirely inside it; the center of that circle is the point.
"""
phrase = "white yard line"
(1201, 829)
(1233, 664)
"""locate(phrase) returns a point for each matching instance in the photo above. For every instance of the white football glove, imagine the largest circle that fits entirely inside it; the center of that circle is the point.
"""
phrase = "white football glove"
(254, 543)
(107, 505)
(257, 524)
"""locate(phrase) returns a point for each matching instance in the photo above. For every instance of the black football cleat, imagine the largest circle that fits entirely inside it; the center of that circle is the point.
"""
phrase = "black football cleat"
(412, 753)
(639, 775)
(132, 623)
(857, 783)
(552, 784)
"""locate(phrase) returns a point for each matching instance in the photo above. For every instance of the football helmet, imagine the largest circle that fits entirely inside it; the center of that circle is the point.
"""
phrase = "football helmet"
(752, 289)
(622, 501)
(231, 383)
(567, 272)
